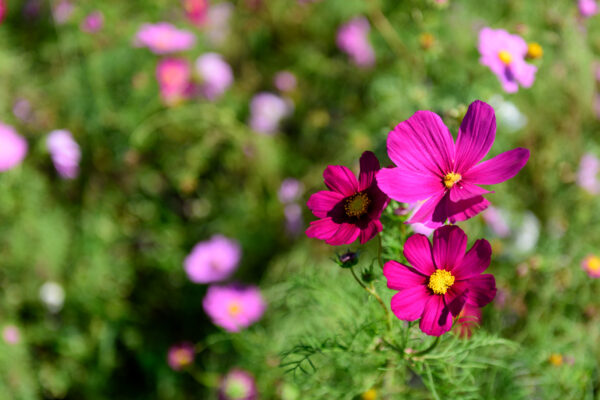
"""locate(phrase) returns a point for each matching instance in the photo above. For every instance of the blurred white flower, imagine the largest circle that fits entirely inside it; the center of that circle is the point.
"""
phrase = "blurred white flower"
(508, 114)
(527, 235)
(53, 296)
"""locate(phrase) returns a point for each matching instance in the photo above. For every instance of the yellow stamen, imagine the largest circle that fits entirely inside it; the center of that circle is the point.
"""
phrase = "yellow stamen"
(357, 205)
(370, 394)
(593, 263)
(451, 178)
(440, 281)
(534, 51)
(556, 359)
(234, 308)
(505, 57)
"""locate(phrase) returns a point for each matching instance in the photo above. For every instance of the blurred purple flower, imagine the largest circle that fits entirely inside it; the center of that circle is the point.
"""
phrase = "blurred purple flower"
(174, 80)
(352, 38)
(62, 11)
(237, 385)
(180, 355)
(13, 147)
(587, 176)
(11, 334)
(65, 153)
(505, 55)
(93, 23)
(290, 190)
(196, 11)
(293, 219)
(215, 75)
(213, 260)
(266, 112)
(164, 38)
(32, 9)
(217, 25)
(22, 109)
(285, 81)
(234, 307)
(497, 223)
(587, 8)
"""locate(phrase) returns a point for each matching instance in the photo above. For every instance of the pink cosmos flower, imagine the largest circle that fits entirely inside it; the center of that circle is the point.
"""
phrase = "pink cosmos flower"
(196, 11)
(440, 280)
(164, 38)
(215, 74)
(13, 147)
(181, 355)
(431, 168)
(587, 8)
(65, 153)
(266, 112)
(353, 39)
(505, 55)
(587, 176)
(93, 22)
(11, 334)
(350, 208)
(213, 260)
(2, 10)
(290, 190)
(174, 80)
(591, 265)
(238, 385)
(468, 319)
(234, 307)
(62, 11)
(285, 81)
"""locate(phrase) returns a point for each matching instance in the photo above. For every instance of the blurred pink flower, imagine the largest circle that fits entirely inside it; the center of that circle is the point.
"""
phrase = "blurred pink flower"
(93, 23)
(293, 219)
(505, 55)
(181, 355)
(62, 11)
(237, 385)
(13, 147)
(493, 218)
(65, 153)
(285, 81)
(587, 175)
(290, 190)
(266, 112)
(591, 265)
(2, 10)
(196, 11)
(587, 8)
(466, 322)
(353, 38)
(234, 307)
(174, 80)
(215, 75)
(22, 109)
(217, 25)
(213, 260)
(11, 334)
(164, 38)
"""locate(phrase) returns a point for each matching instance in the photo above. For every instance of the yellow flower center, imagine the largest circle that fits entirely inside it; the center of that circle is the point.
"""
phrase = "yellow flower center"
(534, 51)
(370, 394)
(182, 357)
(505, 57)
(556, 359)
(593, 263)
(357, 205)
(234, 308)
(451, 178)
(440, 281)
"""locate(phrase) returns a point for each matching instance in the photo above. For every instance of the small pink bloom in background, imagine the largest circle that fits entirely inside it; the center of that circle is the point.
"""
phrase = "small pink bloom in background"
(351, 208)
(213, 260)
(234, 307)
(65, 153)
(22, 109)
(237, 385)
(13, 147)
(587, 175)
(497, 223)
(430, 167)
(181, 355)
(93, 23)
(164, 38)
(285, 81)
(505, 55)
(62, 11)
(468, 319)
(290, 190)
(11, 334)
(353, 39)
(591, 265)
(174, 80)
(196, 11)
(293, 219)
(2, 10)
(587, 8)
(217, 24)
(266, 112)
(441, 279)
(215, 75)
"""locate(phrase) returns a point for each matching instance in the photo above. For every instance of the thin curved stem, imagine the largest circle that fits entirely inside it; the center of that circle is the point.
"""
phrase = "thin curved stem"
(373, 293)
(429, 349)
(379, 250)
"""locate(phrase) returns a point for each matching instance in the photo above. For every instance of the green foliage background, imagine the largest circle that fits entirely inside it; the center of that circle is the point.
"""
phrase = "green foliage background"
(155, 180)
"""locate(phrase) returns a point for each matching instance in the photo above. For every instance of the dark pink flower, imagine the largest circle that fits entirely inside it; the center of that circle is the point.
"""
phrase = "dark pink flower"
(431, 168)
(440, 280)
(196, 11)
(350, 208)
(93, 22)
(468, 319)
(234, 307)
(181, 355)
(174, 80)
(238, 385)
(2, 9)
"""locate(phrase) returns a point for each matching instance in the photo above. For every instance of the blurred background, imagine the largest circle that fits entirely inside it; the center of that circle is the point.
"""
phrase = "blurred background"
(133, 130)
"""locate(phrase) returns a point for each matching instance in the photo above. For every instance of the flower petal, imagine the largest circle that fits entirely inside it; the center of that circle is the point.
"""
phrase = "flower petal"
(369, 232)
(340, 179)
(460, 210)
(369, 165)
(482, 290)
(449, 245)
(417, 251)
(456, 297)
(475, 136)
(400, 276)
(346, 234)
(437, 318)
(408, 186)
(322, 229)
(465, 190)
(498, 169)
(424, 214)
(408, 305)
(321, 203)
(475, 261)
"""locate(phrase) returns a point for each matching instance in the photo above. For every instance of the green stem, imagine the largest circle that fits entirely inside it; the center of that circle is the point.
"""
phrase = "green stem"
(385, 28)
(373, 293)
(429, 349)
(379, 250)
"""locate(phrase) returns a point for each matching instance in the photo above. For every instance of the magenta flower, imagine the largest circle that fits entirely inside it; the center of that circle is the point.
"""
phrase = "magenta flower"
(440, 280)
(353, 39)
(238, 385)
(13, 147)
(234, 307)
(65, 153)
(93, 22)
(164, 38)
(2, 10)
(213, 260)
(587, 175)
(215, 75)
(591, 265)
(174, 80)
(587, 8)
(351, 208)
(285, 81)
(266, 112)
(505, 55)
(11, 334)
(431, 168)
(181, 355)
(62, 11)
(196, 11)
